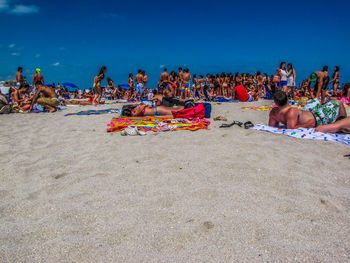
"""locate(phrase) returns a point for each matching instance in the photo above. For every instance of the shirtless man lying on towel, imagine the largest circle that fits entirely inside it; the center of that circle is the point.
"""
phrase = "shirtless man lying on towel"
(49, 99)
(312, 115)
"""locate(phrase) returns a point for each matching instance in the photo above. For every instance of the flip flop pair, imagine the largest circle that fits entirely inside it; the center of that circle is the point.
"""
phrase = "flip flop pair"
(246, 125)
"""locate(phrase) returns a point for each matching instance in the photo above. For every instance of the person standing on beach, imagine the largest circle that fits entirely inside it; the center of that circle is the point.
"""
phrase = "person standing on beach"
(164, 79)
(291, 79)
(38, 80)
(139, 84)
(284, 76)
(335, 80)
(97, 85)
(180, 76)
(185, 89)
(144, 79)
(19, 77)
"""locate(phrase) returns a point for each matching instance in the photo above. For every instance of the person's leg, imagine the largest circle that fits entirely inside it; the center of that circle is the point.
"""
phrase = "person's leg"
(342, 110)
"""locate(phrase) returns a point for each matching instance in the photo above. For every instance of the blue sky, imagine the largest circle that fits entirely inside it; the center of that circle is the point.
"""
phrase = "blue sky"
(70, 40)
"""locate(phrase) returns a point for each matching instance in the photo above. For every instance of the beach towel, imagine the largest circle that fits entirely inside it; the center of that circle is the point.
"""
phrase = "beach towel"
(308, 134)
(94, 112)
(191, 113)
(157, 124)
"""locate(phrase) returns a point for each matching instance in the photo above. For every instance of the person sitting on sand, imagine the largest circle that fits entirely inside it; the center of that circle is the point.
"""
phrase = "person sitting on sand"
(49, 99)
(145, 110)
(341, 125)
(311, 116)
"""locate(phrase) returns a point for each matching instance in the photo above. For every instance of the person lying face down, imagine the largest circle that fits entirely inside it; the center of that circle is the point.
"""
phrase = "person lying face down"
(312, 115)
(145, 110)
(342, 125)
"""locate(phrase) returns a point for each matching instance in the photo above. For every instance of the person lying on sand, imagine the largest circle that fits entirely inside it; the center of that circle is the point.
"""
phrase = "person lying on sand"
(145, 110)
(341, 125)
(49, 99)
(312, 115)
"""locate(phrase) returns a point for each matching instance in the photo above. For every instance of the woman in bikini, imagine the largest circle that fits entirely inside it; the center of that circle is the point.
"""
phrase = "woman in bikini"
(97, 85)
(335, 80)
(145, 110)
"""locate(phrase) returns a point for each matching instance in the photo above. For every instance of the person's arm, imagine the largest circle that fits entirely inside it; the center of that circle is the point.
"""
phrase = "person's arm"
(33, 81)
(35, 98)
(272, 120)
(139, 109)
(43, 80)
(294, 76)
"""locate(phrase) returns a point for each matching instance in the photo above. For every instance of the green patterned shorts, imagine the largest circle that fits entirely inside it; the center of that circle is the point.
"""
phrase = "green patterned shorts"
(324, 114)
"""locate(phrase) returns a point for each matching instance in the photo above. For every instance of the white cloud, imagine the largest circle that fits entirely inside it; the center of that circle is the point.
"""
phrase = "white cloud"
(56, 64)
(15, 54)
(4, 5)
(11, 45)
(162, 66)
(24, 9)
(37, 55)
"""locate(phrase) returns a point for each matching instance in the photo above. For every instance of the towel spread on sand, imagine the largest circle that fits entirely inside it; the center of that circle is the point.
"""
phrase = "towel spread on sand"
(271, 107)
(156, 124)
(308, 134)
(94, 112)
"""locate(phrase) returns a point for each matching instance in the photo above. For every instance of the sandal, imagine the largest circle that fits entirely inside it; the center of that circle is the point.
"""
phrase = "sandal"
(248, 125)
(225, 125)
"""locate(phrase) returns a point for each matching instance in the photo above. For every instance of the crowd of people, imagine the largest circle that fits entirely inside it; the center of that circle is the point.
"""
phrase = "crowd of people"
(182, 86)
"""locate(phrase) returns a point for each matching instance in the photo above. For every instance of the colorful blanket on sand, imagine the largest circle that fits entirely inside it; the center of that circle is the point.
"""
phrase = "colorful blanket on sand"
(308, 134)
(156, 124)
(271, 107)
(94, 112)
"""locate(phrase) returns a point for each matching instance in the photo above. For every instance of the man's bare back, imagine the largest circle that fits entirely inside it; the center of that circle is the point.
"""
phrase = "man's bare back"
(139, 78)
(164, 77)
(186, 77)
(291, 117)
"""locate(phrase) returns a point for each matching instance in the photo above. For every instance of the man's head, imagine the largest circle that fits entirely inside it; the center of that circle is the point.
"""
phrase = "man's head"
(20, 69)
(325, 69)
(165, 70)
(186, 70)
(281, 98)
(139, 71)
(37, 70)
(180, 69)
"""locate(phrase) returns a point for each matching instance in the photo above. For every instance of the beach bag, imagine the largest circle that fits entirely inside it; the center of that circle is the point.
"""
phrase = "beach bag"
(207, 107)
(190, 113)
(277, 77)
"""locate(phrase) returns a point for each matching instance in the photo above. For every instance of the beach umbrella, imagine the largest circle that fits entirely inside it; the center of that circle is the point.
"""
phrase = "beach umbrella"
(68, 84)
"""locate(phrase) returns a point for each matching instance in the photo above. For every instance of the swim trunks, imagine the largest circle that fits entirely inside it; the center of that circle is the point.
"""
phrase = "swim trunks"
(49, 101)
(282, 84)
(140, 88)
(324, 114)
(185, 87)
(313, 77)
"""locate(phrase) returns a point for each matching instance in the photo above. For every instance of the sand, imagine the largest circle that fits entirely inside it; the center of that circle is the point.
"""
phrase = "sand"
(71, 192)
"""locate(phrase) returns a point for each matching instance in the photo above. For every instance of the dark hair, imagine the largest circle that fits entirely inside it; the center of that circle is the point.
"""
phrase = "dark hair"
(19, 68)
(280, 98)
(186, 70)
(337, 68)
(282, 64)
(180, 68)
(127, 110)
(108, 79)
(130, 74)
(325, 68)
(346, 89)
(102, 70)
(139, 71)
(165, 69)
(291, 65)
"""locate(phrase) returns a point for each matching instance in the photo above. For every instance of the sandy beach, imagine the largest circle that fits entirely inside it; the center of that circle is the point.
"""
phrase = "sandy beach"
(71, 192)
